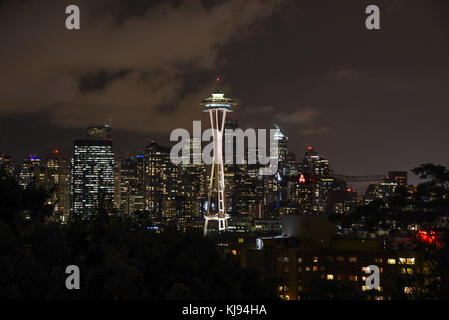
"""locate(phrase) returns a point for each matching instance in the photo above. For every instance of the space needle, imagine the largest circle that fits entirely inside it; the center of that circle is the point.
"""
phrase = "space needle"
(217, 105)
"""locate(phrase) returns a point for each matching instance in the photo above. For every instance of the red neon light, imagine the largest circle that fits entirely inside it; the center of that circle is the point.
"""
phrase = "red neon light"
(56, 151)
(349, 190)
(310, 148)
(430, 237)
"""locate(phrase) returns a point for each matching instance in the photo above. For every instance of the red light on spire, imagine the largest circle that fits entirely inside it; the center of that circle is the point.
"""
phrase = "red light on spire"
(310, 148)
(218, 79)
(56, 151)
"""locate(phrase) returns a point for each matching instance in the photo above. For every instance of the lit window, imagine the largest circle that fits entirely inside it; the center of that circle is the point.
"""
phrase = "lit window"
(241, 240)
(340, 258)
(408, 290)
(285, 259)
(391, 261)
(299, 260)
(402, 260)
(315, 268)
(330, 277)
(315, 259)
(406, 270)
(307, 268)
(410, 260)
(352, 259)
(234, 252)
(353, 278)
(299, 269)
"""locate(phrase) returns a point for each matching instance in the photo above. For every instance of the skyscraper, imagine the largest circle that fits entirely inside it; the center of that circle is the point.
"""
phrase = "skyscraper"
(31, 172)
(131, 188)
(57, 176)
(92, 173)
(6, 163)
(160, 178)
(400, 177)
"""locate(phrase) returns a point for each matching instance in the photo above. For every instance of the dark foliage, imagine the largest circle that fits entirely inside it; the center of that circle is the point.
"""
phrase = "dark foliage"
(117, 256)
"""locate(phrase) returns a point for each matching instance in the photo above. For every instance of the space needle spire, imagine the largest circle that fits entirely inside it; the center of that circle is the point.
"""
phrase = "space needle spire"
(217, 105)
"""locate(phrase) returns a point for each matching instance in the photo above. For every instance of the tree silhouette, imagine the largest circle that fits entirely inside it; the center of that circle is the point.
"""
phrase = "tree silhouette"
(118, 257)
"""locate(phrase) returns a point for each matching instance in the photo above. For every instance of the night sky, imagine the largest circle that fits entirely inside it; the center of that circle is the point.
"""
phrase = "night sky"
(370, 101)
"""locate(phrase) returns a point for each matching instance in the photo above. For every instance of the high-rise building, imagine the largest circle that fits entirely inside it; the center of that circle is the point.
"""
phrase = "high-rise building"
(6, 164)
(292, 164)
(160, 178)
(282, 151)
(399, 177)
(92, 174)
(32, 172)
(131, 186)
(57, 177)
(193, 181)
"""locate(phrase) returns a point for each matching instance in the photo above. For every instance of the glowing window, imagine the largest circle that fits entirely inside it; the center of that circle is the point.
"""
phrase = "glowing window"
(315, 259)
(315, 268)
(410, 260)
(330, 277)
(408, 290)
(241, 240)
(340, 258)
(352, 259)
(391, 261)
(234, 252)
(299, 260)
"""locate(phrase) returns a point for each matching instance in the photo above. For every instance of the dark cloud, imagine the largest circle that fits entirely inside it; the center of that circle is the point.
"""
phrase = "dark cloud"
(99, 80)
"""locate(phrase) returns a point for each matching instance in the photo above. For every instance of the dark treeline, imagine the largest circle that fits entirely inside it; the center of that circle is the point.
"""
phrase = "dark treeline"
(117, 256)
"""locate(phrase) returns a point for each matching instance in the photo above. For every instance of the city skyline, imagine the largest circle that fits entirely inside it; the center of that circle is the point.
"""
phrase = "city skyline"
(375, 106)
(224, 154)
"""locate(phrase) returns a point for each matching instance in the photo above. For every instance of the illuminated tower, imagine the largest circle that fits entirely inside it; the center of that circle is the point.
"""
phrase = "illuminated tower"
(217, 106)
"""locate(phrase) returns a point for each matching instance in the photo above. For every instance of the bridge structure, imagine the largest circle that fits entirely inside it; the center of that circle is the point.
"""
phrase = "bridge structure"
(363, 178)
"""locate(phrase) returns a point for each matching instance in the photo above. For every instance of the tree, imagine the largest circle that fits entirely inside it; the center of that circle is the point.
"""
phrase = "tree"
(118, 257)
(426, 207)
